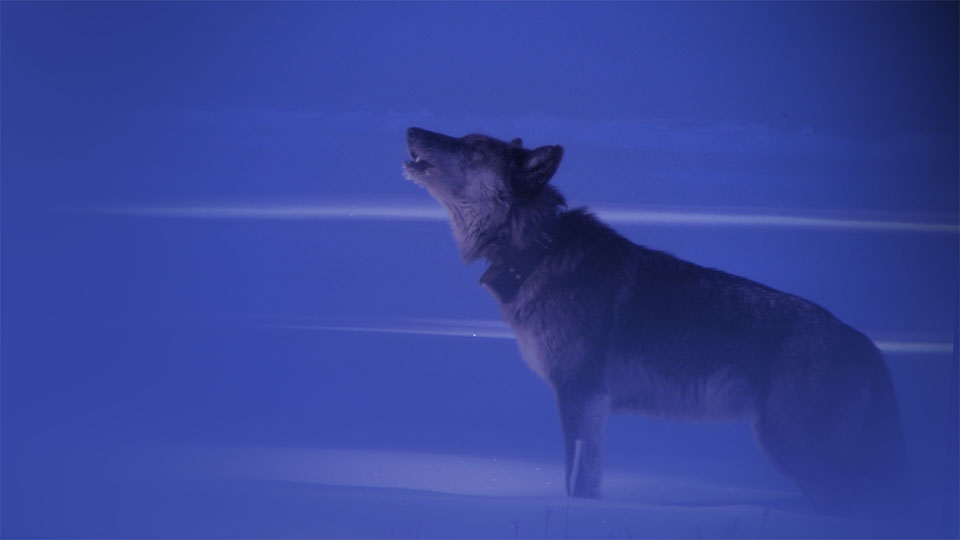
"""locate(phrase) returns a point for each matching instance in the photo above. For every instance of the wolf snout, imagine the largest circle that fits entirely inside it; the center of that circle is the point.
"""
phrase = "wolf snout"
(425, 141)
(419, 145)
(416, 141)
(417, 137)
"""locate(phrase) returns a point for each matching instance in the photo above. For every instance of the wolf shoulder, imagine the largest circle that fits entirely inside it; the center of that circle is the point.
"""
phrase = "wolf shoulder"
(654, 304)
(598, 265)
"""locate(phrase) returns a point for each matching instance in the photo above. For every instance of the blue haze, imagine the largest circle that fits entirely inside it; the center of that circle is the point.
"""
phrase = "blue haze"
(136, 331)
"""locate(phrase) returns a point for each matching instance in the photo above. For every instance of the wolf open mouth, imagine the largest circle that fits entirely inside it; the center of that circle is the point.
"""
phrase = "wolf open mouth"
(418, 165)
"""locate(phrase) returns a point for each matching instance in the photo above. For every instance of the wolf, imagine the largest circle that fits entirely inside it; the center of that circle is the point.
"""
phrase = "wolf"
(614, 326)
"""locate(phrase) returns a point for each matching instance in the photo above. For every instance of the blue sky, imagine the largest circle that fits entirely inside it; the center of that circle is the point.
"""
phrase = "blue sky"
(153, 100)
(136, 308)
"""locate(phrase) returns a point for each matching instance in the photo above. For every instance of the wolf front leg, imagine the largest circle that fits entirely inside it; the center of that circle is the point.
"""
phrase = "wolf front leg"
(583, 417)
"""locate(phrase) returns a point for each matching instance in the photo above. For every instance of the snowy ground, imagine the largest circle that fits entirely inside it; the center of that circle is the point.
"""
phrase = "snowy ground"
(258, 492)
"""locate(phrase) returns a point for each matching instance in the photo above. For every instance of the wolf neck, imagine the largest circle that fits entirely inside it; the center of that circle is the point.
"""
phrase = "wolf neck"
(530, 233)
(499, 236)
(504, 279)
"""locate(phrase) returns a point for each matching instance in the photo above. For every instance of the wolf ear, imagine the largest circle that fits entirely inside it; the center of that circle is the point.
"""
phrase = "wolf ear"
(539, 165)
(518, 142)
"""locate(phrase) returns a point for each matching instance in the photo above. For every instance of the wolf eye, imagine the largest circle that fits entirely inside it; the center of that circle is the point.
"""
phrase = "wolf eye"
(476, 157)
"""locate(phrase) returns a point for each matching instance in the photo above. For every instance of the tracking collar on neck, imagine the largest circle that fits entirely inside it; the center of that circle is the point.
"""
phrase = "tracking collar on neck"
(503, 280)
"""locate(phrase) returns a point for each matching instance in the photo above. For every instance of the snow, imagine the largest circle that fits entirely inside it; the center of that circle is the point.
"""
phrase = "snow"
(289, 492)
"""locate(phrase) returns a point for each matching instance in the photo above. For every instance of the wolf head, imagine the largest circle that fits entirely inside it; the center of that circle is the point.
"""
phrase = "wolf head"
(494, 191)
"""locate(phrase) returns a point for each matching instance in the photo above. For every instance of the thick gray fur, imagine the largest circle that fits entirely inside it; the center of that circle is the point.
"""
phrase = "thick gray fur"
(613, 326)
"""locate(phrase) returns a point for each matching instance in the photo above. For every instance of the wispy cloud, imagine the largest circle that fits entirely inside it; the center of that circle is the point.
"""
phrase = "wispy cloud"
(334, 212)
(619, 216)
(472, 328)
(491, 329)
(628, 217)
(915, 347)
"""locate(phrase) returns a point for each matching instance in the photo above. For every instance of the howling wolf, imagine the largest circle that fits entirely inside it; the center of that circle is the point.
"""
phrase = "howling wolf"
(614, 326)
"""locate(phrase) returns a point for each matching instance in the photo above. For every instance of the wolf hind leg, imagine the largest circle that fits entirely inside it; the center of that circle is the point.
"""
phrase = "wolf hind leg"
(855, 470)
(802, 460)
(583, 419)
